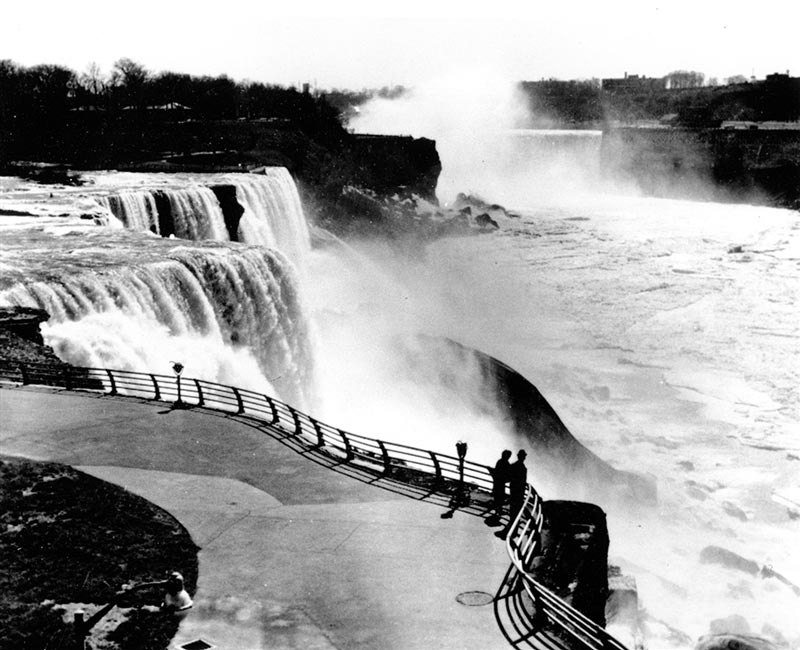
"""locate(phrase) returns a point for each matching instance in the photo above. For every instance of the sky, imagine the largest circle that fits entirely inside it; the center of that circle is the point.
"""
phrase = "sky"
(355, 44)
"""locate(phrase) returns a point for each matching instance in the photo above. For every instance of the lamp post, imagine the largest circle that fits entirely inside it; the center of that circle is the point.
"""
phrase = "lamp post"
(177, 368)
(461, 450)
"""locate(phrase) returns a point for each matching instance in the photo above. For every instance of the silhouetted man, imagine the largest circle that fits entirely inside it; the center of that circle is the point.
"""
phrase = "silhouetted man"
(517, 483)
(500, 476)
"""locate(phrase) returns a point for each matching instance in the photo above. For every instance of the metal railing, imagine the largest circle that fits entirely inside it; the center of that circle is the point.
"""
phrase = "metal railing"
(539, 617)
(531, 605)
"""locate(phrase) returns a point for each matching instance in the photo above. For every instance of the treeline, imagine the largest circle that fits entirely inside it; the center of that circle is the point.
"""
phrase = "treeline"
(52, 94)
(680, 99)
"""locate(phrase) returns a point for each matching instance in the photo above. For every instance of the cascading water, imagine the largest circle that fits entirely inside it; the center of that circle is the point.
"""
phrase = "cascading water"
(136, 210)
(117, 298)
(272, 213)
(196, 214)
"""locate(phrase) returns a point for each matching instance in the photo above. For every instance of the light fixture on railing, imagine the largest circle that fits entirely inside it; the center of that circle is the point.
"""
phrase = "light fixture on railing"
(177, 368)
(461, 450)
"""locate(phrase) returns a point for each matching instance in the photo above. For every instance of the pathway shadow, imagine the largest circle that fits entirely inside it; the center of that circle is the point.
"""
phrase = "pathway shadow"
(409, 483)
(414, 485)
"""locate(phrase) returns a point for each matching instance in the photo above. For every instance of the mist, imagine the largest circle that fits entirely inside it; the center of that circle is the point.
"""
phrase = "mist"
(380, 368)
(477, 120)
(112, 339)
(623, 310)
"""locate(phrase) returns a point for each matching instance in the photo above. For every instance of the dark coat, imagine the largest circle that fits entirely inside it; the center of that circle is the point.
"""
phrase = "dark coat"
(500, 476)
(518, 479)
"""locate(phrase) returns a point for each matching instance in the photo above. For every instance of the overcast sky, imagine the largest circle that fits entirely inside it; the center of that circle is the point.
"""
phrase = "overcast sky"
(345, 43)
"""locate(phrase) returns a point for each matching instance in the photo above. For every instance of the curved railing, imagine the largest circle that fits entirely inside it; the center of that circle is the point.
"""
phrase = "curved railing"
(534, 613)
(391, 457)
(534, 616)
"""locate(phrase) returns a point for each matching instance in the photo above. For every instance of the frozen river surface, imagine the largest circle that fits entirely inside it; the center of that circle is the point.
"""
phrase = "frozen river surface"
(665, 334)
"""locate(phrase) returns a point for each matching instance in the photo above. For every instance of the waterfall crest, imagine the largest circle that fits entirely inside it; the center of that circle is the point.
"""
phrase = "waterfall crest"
(272, 212)
(273, 215)
(233, 314)
(196, 214)
(136, 210)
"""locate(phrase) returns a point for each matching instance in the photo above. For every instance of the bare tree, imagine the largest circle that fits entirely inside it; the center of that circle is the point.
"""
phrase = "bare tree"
(685, 79)
(128, 73)
(129, 78)
(93, 80)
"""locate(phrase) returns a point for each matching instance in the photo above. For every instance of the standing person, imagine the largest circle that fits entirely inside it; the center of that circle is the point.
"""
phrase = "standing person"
(517, 483)
(500, 476)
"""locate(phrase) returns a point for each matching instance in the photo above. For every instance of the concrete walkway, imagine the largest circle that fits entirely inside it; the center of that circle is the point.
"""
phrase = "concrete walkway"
(293, 554)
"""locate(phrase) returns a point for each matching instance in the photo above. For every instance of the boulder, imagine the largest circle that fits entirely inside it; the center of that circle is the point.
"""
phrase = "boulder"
(485, 221)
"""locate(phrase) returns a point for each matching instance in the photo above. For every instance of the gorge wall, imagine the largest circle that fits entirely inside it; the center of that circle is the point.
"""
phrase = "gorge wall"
(747, 164)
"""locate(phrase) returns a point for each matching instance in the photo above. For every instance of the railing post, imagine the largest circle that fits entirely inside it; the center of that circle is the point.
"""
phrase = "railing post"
(156, 388)
(67, 382)
(387, 462)
(239, 400)
(298, 427)
(272, 408)
(348, 449)
(24, 372)
(539, 615)
(437, 468)
(200, 400)
(113, 390)
(318, 429)
(80, 631)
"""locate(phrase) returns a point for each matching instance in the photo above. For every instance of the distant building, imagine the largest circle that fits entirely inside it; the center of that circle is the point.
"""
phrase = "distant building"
(633, 83)
(777, 77)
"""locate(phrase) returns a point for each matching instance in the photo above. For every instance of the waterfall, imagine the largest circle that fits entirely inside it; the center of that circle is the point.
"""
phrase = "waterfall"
(196, 214)
(231, 312)
(136, 210)
(231, 315)
(273, 214)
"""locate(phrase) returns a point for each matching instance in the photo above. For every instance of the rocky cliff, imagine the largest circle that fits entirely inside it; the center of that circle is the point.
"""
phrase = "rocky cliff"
(20, 336)
(753, 164)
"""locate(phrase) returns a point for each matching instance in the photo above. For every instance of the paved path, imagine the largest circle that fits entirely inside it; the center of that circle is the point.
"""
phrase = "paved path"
(293, 554)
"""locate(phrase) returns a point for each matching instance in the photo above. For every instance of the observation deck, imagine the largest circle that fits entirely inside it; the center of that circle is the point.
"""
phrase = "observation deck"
(301, 547)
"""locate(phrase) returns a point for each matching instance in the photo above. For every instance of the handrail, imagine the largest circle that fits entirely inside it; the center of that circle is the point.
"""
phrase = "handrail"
(534, 601)
(524, 536)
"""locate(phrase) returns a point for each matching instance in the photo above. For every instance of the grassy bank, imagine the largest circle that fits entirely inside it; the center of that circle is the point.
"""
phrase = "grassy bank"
(71, 541)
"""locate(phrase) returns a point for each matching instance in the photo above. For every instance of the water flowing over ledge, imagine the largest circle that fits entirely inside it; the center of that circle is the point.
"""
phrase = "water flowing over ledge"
(264, 208)
(125, 297)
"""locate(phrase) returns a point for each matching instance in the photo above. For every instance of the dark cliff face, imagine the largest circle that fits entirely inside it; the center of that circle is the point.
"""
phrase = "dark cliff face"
(558, 454)
(232, 210)
(757, 165)
(396, 165)
(324, 160)
(20, 336)
(574, 562)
